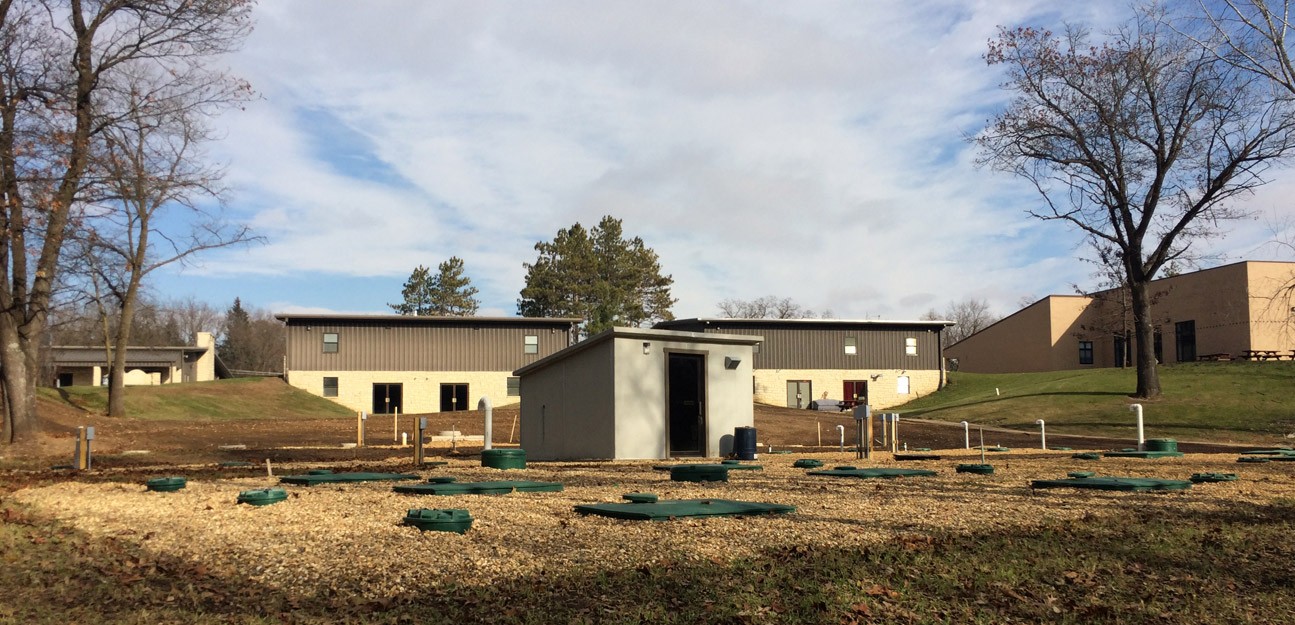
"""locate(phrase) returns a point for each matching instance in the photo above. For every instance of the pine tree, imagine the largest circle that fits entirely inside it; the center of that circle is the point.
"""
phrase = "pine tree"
(417, 294)
(599, 276)
(447, 294)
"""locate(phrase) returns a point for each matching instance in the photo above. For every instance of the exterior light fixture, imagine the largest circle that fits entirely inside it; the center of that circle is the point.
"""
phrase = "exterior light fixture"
(647, 347)
(731, 362)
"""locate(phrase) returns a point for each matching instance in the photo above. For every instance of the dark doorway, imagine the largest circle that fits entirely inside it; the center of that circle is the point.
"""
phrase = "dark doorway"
(856, 391)
(454, 397)
(686, 401)
(1122, 358)
(64, 379)
(1185, 340)
(388, 398)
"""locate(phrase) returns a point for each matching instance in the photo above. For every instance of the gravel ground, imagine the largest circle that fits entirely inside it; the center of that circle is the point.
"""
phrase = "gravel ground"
(349, 539)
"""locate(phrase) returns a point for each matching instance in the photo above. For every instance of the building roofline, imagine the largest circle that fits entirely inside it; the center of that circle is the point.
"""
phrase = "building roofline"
(286, 317)
(638, 333)
(837, 322)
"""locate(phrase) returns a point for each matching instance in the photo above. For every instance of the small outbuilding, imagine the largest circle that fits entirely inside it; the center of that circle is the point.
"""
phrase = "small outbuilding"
(631, 393)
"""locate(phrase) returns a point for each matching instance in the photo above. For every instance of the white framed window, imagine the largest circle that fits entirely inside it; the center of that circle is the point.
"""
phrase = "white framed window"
(851, 345)
(330, 342)
(910, 346)
(901, 385)
(514, 386)
(330, 387)
(531, 344)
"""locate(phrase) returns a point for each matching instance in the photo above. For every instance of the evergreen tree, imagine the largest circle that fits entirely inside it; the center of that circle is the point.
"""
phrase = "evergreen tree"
(599, 276)
(234, 346)
(417, 294)
(447, 294)
(452, 292)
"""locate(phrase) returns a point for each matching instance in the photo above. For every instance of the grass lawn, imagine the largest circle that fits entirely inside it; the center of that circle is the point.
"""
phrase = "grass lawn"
(221, 400)
(1238, 401)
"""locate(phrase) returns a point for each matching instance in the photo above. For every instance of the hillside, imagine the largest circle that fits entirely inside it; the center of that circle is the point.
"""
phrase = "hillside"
(1223, 402)
(236, 399)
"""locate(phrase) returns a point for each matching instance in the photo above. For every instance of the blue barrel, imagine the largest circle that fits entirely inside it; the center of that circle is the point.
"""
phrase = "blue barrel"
(744, 443)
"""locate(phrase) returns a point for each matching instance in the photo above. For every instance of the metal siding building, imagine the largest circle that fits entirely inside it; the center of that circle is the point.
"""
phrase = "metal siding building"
(885, 363)
(354, 358)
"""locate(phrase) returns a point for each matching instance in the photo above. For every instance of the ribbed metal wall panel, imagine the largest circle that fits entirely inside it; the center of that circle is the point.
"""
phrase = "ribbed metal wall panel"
(379, 346)
(823, 347)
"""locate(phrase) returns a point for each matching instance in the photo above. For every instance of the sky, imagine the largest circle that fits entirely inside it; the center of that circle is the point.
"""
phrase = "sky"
(811, 150)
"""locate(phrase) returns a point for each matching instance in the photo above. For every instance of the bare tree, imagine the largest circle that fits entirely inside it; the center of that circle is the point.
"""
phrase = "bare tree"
(969, 316)
(768, 307)
(1140, 141)
(62, 74)
(159, 206)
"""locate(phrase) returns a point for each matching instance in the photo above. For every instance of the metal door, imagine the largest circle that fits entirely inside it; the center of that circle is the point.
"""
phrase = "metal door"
(388, 398)
(686, 403)
(799, 393)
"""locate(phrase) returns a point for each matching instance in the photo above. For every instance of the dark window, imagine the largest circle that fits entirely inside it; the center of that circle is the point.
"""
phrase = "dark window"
(1185, 340)
(531, 344)
(454, 397)
(330, 342)
(1158, 345)
(330, 387)
(514, 387)
(1085, 352)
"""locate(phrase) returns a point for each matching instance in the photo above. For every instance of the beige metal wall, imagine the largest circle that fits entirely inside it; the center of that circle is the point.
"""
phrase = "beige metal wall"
(383, 345)
(1234, 308)
(1272, 305)
(569, 408)
(641, 409)
(883, 392)
(809, 345)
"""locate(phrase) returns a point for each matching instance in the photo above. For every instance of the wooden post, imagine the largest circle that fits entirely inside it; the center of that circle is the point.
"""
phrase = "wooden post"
(418, 441)
(512, 429)
(359, 429)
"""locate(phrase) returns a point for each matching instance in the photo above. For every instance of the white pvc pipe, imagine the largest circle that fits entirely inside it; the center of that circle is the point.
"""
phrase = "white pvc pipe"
(1142, 441)
(966, 435)
(1043, 433)
(840, 429)
(484, 405)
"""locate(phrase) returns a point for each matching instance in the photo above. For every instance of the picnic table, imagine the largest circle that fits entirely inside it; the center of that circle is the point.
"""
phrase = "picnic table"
(1215, 357)
(1261, 354)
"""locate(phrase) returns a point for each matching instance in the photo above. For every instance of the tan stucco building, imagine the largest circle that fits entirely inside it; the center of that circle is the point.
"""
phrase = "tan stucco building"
(630, 393)
(145, 366)
(877, 362)
(1215, 313)
(382, 364)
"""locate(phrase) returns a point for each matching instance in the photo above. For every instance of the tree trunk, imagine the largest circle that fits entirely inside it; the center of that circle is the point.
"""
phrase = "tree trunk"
(1148, 375)
(117, 378)
(19, 381)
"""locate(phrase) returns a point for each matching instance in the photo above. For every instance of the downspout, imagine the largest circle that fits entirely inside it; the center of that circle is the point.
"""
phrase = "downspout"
(939, 342)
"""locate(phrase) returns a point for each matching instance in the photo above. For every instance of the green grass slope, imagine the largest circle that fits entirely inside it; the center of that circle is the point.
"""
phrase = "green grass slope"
(1228, 401)
(221, 400)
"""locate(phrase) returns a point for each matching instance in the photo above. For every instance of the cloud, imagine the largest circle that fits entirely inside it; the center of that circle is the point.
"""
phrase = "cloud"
(810, 150)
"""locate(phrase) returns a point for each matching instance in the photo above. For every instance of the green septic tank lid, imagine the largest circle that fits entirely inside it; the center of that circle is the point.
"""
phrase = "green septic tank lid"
(807, 463)
(639, 497)
(446, 520)
(441, 479)
(319, 472)
(844, 468)
(1060, 448)
(979, 469)
(1087, 456)
(998, 449)
(871, 473)
(1128, 484)
(262, 496)
(1253, 459)
(165, 484)
(699, 473)
(1081, 474)
(1198, 478)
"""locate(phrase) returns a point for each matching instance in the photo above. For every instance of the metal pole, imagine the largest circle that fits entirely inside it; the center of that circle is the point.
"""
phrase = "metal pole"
(418, 441)
(484, 405)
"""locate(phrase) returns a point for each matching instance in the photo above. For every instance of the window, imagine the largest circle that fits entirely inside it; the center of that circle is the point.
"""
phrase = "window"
(330, 342)
(910, 346)
(851, 345)
(531, 344)
(514, 387)
(330, 387)
(1185, 340)
(901, 385)
(1085, 352)
(755, 349)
